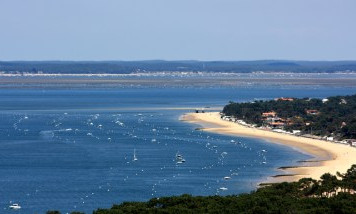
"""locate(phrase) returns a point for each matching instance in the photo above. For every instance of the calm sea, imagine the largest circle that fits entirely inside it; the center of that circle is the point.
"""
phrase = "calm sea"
(73, 149)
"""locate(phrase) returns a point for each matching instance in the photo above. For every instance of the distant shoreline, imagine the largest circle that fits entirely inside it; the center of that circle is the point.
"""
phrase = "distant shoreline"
(175, 79)
(246, 66)
(329, 157)
(162, 73)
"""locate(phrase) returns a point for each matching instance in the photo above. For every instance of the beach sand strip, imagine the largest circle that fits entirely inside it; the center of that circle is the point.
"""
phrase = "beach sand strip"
(328, 156)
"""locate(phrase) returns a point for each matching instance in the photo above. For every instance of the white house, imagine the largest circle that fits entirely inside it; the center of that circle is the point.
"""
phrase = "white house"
(325, 100)
(329, 138)
(296, 132)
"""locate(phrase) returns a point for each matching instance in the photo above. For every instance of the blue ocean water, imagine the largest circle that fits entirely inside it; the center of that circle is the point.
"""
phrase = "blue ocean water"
(72, 149)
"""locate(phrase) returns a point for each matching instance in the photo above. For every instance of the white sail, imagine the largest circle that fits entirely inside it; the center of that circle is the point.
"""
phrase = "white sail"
(134, 156)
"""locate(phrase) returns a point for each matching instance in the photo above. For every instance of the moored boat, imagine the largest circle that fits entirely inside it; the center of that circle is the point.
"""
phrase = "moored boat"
(15, 206)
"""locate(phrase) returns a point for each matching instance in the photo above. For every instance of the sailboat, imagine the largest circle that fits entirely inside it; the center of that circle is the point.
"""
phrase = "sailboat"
(134, 156)
(179, 158)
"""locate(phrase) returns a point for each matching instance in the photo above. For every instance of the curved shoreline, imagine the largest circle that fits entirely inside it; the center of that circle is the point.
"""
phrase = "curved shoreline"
(328, 157)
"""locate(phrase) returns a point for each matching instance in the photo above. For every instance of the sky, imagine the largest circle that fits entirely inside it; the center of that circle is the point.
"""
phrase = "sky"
(177, 29)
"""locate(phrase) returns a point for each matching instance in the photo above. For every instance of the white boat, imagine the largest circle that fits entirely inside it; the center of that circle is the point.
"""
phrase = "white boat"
(134, 156)
(223, 188)
(227, 177)
(179, 158)
(15, 206)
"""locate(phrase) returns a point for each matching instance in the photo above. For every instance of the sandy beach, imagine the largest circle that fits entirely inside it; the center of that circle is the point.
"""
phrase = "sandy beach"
(328, 156)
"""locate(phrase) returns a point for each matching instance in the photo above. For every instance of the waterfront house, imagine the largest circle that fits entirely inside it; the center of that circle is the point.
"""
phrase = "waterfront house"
(312, 112)
(351, 142)
(343, 101)
(278, 125)
(269, 114)
(296, 132)
(284, 99)
(329, 138)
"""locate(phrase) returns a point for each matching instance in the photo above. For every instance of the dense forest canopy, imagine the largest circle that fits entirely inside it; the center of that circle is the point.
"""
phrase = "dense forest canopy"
(335, 116)
(161, 65)
(330, 194)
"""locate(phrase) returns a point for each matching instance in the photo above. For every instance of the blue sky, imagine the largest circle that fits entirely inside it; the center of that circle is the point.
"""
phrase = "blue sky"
(177, 29)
